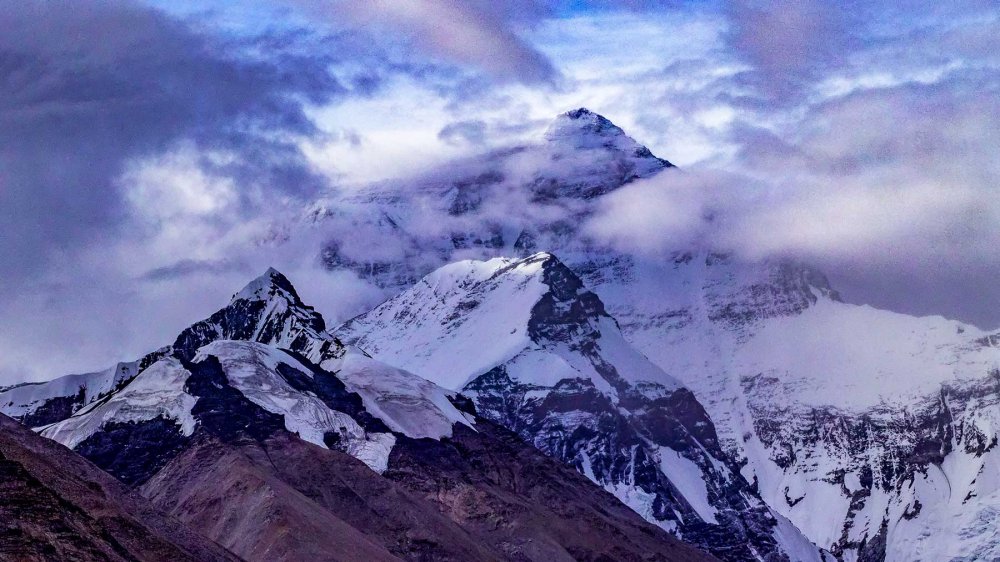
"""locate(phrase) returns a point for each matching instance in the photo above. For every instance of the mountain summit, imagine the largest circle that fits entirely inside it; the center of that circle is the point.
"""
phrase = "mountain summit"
(508, 202)
(583, 129)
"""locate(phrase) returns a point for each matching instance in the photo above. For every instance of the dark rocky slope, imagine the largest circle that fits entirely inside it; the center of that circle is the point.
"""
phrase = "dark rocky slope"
(56, 506)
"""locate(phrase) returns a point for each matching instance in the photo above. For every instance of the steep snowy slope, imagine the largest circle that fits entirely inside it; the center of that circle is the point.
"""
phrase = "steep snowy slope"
(37, 404)
(386, 465)
(871, 431)
(54, 505)
(538, 353)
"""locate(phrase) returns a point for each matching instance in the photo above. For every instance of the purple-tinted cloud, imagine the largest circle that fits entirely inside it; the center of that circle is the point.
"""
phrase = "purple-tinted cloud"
(464, 132)
(789, 42)
(891, 190)
(84, 90)
(480, 35)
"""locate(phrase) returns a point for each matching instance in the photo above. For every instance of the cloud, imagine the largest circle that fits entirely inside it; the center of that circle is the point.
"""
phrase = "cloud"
(84, 91)
(789, 41)
(467, 132)
(882, 186)
(479, 35)
(187, 267)
(794, 47)
(158, 164)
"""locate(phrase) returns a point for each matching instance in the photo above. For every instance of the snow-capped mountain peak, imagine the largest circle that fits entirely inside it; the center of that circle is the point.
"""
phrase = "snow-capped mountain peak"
(269, 311)
(270, 284)
(582, 129)
(203, 427)
(509, 202)
(582, 124)
(265, 361)
(533, 315)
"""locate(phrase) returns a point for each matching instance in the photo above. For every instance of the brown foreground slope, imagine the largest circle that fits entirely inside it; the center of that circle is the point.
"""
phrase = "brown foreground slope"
(480, 496)
(55, 505)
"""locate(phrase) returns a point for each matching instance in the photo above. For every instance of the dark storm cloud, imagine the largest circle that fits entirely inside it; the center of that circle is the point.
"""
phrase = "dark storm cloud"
(87, 87)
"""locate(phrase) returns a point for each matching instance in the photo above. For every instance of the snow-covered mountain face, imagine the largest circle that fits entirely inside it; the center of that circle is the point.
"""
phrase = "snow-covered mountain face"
(871, 431)
(265, 361)
(200, 427)
(538, 353)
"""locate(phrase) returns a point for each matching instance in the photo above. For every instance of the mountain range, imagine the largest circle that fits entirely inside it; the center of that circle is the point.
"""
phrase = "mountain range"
(278, 442)
(522, 390)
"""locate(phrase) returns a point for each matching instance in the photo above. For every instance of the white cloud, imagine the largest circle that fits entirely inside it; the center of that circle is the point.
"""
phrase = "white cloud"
(882, 165)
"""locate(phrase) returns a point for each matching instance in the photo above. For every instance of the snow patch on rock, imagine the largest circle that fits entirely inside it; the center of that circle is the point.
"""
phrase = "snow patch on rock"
(157, 391)
(406, 403)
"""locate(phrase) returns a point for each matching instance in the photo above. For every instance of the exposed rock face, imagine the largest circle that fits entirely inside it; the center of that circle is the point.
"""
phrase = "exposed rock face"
(54, 505)
(538, 354)
(284, 499)
(268, 435)
(486, 504)
(492, 472)
(892, 475)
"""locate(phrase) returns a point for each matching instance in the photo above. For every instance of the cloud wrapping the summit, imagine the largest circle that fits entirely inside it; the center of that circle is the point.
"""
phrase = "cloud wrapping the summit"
(893, 191)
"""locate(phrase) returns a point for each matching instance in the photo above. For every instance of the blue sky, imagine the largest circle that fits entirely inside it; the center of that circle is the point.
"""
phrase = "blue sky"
(858, 135)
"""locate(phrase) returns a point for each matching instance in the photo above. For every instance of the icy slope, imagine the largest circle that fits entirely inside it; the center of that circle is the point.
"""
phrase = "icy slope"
(469, 317)
(538, 353)
(871, 431)
(406, 403)
(41, 403)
